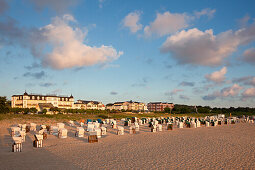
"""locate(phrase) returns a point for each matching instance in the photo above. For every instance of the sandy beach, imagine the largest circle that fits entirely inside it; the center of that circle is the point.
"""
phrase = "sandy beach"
(221, 147)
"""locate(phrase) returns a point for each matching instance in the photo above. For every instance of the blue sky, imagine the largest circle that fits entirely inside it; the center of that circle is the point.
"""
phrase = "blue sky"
(186, 52)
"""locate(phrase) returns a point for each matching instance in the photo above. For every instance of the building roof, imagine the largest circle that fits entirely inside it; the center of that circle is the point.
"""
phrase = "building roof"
(159, 103)
(86, 102)
(40, 95)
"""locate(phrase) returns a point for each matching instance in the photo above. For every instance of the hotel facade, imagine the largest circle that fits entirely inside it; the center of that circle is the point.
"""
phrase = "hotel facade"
(41, 102)
(128, 105)
(35, 100)
(159, 106)
(90, 105)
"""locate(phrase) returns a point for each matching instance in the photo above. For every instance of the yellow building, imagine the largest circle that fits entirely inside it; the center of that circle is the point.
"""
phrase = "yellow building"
(128, 105)
(33, 100)
(90, 105)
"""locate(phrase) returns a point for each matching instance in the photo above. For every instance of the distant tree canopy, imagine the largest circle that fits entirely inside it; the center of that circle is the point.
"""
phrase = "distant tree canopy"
(167, 110)
(4, 105)
(182, 109)
(23, 110)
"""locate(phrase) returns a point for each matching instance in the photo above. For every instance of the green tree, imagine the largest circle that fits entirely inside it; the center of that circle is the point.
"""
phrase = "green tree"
(184, 110)
(33, 110)
(26, 110)
(4, 107)
(54, 110)
(167, 110)
(44, 111)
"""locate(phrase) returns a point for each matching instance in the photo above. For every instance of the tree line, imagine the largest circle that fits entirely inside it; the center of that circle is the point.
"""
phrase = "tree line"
(184, 109)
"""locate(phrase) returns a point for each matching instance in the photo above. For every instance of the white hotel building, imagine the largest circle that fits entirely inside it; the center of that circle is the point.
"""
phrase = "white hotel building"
(34, 100)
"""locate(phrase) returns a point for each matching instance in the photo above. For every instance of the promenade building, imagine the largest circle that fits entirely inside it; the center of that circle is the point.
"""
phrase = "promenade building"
(159, 106)
(89, 105)
(128, 105)
(36, 101)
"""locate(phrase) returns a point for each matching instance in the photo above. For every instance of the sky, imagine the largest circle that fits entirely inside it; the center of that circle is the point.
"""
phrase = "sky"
(198, 52)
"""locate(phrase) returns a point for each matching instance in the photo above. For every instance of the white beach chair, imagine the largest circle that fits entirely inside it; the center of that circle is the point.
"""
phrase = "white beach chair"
(159, 128)
(81, 124)
(23, 135)
(103, 130)
(38, 142)
(54, 130)
(193, 124)
(42, 127)
(140, 122)
(153, 128)
(32, 127)
(62, 133)
(23, 127)
(90, 127)
(71, 123)
(180, 124)
(129, 122)
(42, 131)
(198, 123)
(120, 130)
(60, 125)
(98, 132)
(15, 131)
(79, 132)
(136, 126)
(132, 130)
(96, 125)
(155, 122)
(207, 124)
(17, 144)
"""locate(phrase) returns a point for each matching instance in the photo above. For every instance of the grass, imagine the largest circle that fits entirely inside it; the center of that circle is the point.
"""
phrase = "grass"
(89, 116)
(77, 117)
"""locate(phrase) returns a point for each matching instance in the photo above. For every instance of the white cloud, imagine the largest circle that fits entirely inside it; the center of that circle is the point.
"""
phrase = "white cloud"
(68, 49)
(217, 76)
(231, 91)
(204, 48)
(249, 56)
(207, 12)
(244, 21)
(250, 92)
(225, 92)
(167, 23)
(131, 21)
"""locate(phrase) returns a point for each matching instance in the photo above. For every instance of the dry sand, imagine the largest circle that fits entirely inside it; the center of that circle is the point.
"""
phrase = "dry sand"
(221, 147)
